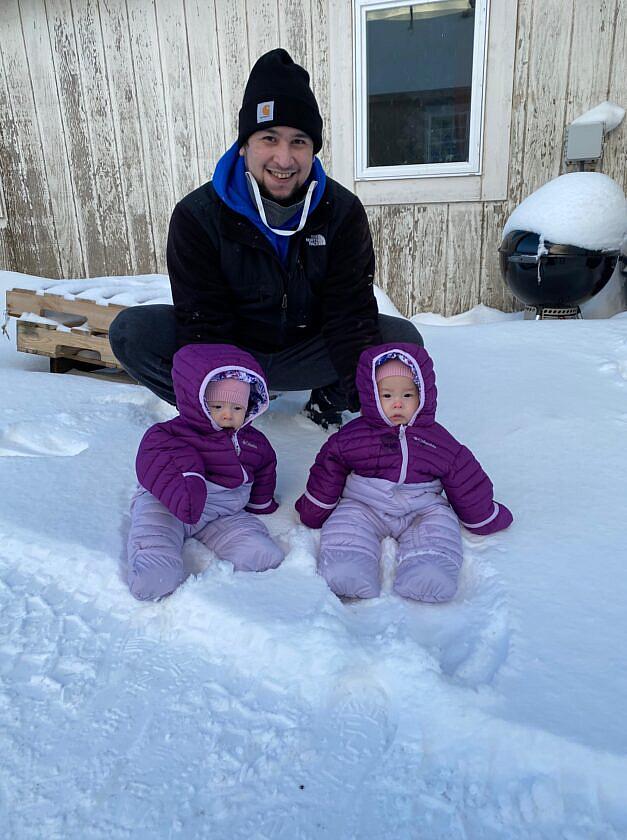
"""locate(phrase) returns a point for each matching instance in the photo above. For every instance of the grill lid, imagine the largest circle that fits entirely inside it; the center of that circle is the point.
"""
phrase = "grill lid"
(525, 243)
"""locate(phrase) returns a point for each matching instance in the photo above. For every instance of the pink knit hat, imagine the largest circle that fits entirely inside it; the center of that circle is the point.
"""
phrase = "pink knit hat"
(228, 390)
(393, 368)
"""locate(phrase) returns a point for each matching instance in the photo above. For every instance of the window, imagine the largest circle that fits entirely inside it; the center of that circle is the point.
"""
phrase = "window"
(419, 88)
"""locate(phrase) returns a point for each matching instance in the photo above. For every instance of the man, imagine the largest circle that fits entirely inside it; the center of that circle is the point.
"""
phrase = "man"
(272, 256)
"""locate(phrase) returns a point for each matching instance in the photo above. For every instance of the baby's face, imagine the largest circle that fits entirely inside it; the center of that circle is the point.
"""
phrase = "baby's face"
(399, 398)
(227, 415)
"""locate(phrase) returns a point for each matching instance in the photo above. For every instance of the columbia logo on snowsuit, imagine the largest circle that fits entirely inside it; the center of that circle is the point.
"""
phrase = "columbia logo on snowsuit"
(425, 442)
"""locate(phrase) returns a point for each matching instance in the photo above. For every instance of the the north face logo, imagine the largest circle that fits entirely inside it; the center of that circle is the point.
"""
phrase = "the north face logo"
(265, 112)
(316, 239)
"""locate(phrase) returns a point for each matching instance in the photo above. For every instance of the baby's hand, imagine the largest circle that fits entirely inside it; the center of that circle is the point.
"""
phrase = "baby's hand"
(502, 520)
(188, 501)
(262, 509)
(312, 515)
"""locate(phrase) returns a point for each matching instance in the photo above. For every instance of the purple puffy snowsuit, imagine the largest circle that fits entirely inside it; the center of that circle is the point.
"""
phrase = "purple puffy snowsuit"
(198, 480)
(373, 479)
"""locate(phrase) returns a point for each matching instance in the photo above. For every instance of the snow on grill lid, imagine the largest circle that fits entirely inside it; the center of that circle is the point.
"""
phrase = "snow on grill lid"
(586, 209)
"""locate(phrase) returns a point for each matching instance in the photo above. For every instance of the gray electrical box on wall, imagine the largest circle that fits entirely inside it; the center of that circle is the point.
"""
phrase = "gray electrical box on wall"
(584, 142)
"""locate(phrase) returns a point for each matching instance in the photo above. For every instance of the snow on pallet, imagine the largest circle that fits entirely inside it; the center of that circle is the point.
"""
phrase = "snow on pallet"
(69, 320)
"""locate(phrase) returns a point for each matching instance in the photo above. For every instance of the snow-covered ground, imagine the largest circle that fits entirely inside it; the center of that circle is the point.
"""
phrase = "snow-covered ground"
(260, 706)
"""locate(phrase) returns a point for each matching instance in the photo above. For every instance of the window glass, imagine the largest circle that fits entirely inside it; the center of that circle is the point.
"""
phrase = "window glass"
(419, 83)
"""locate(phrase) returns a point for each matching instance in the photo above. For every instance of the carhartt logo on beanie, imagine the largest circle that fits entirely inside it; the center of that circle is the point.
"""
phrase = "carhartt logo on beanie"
(393, 368)
(278, 93)
(228, 390)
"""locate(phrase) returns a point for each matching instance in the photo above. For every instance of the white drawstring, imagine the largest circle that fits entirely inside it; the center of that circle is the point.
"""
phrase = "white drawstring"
(262, 212)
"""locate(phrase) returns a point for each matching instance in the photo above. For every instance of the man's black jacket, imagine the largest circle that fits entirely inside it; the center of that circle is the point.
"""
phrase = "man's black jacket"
(229, 285)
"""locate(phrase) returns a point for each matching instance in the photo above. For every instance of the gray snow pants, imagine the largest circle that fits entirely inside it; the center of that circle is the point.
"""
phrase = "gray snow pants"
(156, 537)
(416, 515)
(143, 339)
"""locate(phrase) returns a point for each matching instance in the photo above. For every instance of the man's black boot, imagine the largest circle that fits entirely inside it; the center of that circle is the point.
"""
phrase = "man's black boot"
(325, 406)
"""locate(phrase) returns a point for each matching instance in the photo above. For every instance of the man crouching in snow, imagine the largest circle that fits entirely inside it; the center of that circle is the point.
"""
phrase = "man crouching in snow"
(382, 475)
(272, 256)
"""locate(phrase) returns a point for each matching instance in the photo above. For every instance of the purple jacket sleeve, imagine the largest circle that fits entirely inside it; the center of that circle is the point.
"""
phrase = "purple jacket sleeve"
(172, 471)
(470, 492)
(324, 487)
(262, 492)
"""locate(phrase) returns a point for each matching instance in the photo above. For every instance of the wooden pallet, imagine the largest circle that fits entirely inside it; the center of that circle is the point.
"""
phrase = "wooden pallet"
(78, 338)
(62, 309)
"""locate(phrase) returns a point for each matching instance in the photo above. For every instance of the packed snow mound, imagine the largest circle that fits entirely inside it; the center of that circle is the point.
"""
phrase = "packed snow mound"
(479, 314)
(608, 113)
(585, 209)
(384, 303)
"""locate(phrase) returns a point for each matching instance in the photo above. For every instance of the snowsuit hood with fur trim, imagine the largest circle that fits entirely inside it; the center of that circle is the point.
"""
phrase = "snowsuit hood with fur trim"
(418, 360)
(195, 365)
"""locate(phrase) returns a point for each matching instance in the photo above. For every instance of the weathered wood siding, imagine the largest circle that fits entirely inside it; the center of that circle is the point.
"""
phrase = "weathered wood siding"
(113, 109)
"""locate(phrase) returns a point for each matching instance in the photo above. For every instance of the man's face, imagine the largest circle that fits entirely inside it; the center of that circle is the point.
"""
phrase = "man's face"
(280, 160)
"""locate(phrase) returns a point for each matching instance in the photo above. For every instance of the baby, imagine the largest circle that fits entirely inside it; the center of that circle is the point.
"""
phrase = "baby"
(204, 473)
(384, 474)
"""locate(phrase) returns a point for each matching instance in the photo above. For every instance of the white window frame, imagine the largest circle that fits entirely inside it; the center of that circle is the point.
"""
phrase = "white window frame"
(490, 184)
(472, 166)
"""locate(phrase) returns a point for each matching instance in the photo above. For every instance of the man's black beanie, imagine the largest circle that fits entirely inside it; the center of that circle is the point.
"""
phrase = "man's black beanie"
(278, 93)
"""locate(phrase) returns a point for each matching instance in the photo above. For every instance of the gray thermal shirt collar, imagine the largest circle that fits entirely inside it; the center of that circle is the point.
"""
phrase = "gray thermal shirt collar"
(277, 214)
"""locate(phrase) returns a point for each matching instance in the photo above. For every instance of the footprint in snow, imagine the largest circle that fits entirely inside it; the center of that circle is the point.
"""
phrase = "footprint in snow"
(470, 636)
(349, 739)
(38, 438)
(360, 729)
(479, 643)
(616, 367)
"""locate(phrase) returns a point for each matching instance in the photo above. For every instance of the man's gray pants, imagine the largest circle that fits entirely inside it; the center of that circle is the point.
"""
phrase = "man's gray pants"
(143, 339)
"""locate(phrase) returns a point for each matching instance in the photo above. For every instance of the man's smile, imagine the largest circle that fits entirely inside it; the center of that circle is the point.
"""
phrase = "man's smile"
(283, 176)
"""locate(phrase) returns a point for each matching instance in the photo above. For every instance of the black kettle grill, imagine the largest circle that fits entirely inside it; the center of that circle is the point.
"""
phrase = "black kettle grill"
(552, 280)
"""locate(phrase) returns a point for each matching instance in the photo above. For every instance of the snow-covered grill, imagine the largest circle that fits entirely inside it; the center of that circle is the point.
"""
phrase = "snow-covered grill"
(623, 259)
(553, 280)
(560, 246)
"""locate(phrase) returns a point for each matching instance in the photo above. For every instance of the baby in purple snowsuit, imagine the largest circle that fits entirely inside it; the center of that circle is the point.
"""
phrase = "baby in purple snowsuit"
(204, 473)
(383, 474)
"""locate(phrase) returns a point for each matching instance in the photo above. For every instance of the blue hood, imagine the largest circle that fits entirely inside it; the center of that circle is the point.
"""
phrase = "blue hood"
(229, 181)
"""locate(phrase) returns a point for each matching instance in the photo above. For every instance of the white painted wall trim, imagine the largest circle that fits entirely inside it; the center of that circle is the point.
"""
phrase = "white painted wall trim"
(501, 54)
(341, 91)
(491, 185)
